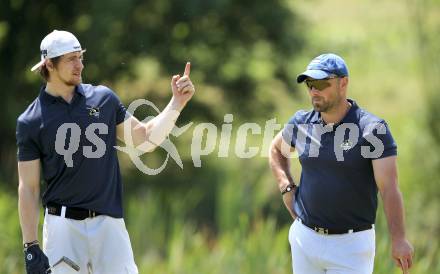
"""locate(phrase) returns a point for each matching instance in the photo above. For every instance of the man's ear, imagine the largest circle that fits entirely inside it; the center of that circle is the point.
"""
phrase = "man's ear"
(344, 83)
(49, 65)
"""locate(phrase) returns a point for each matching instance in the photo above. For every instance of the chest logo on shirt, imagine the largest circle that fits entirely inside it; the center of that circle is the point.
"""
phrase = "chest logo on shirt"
(93, 111)
(346, 145)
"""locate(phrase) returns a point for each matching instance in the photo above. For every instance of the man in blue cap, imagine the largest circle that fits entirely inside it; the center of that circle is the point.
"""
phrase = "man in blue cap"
(347, 155)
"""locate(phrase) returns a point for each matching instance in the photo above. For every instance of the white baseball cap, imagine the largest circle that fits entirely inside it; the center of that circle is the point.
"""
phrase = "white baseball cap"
(55, 44)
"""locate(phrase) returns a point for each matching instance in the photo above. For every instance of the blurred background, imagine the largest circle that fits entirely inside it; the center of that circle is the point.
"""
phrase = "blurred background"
(227, 215)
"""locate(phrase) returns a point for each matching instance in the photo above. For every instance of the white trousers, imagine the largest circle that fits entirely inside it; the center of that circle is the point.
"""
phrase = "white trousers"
(98, 245)
(314, 253)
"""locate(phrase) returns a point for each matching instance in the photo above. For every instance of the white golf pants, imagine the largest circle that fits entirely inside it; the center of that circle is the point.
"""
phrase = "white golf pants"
(98, 245)
(314, 253)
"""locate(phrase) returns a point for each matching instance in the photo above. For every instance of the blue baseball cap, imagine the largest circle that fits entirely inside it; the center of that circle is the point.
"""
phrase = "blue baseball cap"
(324, 66)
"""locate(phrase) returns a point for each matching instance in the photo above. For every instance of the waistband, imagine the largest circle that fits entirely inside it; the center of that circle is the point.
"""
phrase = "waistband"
(74, 213)
(327, 231)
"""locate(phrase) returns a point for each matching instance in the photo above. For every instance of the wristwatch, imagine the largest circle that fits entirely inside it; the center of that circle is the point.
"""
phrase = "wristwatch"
(27, 245)
(288, 188)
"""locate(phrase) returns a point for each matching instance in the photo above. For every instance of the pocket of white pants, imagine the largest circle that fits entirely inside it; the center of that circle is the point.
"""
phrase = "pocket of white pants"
(364, 243)
(48, 226)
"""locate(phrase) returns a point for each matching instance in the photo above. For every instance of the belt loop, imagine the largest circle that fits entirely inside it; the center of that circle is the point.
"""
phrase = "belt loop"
(92, 214)
(63, 212)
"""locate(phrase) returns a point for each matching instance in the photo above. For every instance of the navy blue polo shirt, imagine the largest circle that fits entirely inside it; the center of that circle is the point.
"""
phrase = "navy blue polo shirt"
(75, 143)
(337, 188)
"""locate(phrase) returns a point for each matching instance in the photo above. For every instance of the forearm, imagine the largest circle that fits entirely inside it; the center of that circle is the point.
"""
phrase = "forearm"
(394, 212)
(155, 131)
(161, 125)
(288, 199)
(280, 168)
(28, 208)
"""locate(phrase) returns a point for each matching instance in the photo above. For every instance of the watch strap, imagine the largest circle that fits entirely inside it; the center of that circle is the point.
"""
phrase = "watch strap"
(288, 188)
(29, 244)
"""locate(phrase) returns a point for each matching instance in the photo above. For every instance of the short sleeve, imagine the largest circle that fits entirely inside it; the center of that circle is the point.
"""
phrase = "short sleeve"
(290, 130)
(121, 111)
(26, 144)
(381, 141)
(390, 146)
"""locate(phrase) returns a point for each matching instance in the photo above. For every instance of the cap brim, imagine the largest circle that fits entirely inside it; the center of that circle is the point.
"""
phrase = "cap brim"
(312, 73)
(38, 65)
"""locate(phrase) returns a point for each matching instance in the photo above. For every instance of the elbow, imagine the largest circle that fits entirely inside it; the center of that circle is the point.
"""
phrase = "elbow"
(273, 148)
(274, 152)
(28, 190)
(149, 143)
(22, 188)
(147, 147)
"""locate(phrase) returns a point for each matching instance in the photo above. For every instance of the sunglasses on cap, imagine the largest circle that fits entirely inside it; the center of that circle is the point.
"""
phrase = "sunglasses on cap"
(319, 84)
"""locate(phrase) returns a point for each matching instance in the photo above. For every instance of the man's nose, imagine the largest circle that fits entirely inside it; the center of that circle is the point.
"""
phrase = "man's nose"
(79, 64)
(313, 91)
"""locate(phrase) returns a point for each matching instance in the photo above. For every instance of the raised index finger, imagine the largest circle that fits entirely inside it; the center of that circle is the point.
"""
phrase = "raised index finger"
(404, 265)
(187, 69)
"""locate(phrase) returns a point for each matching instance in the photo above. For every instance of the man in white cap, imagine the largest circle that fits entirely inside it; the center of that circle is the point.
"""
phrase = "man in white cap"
(70, 131)
(347, 155)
